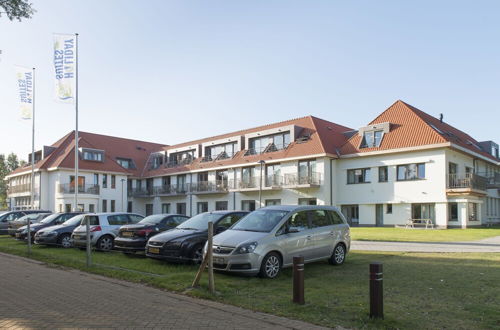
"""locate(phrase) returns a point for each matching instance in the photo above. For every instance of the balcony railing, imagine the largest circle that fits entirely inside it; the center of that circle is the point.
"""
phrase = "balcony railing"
(274, 180)
(223, 155)
(141, 192)
(219, 186)
(311, 179)
(177, 163)
(172, 189)
(470, 181)
(492, 179)
(67, 188)
(271, 147)
(20, 188)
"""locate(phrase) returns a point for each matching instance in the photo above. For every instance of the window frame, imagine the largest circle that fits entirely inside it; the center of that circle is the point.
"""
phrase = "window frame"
(417, 177)
(364, 174)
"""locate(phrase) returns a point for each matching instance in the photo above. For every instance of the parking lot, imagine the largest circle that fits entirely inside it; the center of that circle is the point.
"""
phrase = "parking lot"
(37, 296)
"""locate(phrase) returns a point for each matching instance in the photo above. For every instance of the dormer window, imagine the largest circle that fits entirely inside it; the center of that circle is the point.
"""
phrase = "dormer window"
(372, 139)
(220, 151)
(269, 143)
(126, 163)
(156, 160)
(93, 155)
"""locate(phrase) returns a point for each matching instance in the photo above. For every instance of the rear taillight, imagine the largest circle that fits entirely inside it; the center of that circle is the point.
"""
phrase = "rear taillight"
(95, 228)
(144, 232)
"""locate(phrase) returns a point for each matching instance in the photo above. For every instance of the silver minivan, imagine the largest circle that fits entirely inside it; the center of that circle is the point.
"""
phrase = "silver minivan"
(266, 240)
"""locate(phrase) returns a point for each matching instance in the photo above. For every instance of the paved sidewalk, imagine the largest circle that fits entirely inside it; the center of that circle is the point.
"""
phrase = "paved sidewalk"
(37, 296)
(486, 245)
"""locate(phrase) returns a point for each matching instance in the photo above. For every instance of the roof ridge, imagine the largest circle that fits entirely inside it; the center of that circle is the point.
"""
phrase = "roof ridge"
(118, 137)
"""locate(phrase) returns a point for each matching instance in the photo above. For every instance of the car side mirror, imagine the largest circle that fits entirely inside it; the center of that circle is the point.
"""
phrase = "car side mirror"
(291, 230)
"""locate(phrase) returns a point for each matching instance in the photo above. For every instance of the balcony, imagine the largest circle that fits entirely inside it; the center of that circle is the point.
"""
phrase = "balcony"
(222, 156)
(171, 190)
(209, 187)
(271, 147)
(492, 180)
(177, 163)
(19, 189)
(90, 189)
(273, 182)
(141, 192)
(313, 180)
(466, 184)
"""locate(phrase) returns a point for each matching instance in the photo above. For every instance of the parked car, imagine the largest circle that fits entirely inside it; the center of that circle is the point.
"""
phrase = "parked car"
(59, 235)
(51, 220)
(9, 216)
(133, 238)
(267, 239)
(104, 227)
(23, 221)
(186, 241)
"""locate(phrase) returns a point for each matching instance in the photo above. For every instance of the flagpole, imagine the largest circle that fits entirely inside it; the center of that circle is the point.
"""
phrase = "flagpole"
(32, 163)
(76, 127)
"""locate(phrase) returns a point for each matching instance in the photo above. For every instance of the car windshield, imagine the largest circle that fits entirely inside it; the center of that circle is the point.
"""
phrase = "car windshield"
(260, 221)
(152, 219)
(74, 221)
(200, 221)
(29, 216)
(50, 218)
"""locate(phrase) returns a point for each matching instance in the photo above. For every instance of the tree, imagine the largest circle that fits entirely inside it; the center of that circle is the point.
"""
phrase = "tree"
(12, 162)
(16, 9)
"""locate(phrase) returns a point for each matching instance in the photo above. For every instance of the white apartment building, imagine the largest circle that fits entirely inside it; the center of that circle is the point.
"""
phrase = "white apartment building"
(403, 165)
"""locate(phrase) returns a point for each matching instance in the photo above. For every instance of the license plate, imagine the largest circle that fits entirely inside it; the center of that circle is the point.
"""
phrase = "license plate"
(218, 260)
(154, 250)
(127, 234)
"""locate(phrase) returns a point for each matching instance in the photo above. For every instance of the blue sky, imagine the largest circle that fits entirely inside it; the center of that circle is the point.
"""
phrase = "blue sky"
(172, 71)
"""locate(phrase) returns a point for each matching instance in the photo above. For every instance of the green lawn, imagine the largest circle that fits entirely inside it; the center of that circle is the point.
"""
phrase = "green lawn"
(421, 290)
(422, 235)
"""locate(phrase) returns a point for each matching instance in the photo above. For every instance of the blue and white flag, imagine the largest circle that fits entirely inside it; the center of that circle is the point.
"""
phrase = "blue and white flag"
(25, 91)
(65, 67)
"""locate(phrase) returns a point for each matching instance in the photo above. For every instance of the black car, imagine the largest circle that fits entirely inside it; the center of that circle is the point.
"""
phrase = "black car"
(51, 220)
(59, 235)
(186, 241)
(7, 217)
(133, 238)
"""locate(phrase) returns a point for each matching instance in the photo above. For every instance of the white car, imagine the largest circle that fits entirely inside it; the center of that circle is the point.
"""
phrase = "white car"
(104, 227)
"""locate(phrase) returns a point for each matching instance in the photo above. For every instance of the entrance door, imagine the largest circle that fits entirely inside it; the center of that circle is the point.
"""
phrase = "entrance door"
(379, 215)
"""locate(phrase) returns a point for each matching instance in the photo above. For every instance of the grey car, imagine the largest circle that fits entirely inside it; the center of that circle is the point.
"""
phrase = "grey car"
(266, 240)
(59, 235)
(7, 217)
(23, 221)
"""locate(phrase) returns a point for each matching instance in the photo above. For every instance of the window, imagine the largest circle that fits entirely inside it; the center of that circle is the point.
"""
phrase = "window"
(203, 177)
(388, 209)
(91, 208)
(351, 213)
(382, 174)
(273, 175)
(126, 163)
(220, 151)
(113, 205)
(299, 221)
(134, 218)
(181, 208)
(307, 169)
(156, 160)
(93, 155)
(129, 207)
(165, 208)
(360, 175)
(104, 205)
(181, 182)
(221, 205)
(81, 208)
(81, 183)
(166, 181)
(371, 139)
(452, 211)
(269, 143)
(113, 182)
(336, 218)
(202, 207)
(149, 209)
(411, 172)
(247, 177)
(67, 208)
(229, 220)
(422, 211)
(118, 219)
(473, 216)
(180, 158)
(270, 202)
(319, 218)
(105, 181)
(96, 178)
(248, 205)
(308, 201)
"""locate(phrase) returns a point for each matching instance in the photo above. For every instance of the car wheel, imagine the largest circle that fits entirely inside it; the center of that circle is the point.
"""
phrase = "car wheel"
(197, 254)
(65, 241)
(271, 265)
(338, 255)
(105, 243)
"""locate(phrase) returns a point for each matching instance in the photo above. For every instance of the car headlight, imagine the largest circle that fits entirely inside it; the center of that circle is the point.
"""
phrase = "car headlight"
(205, 248)
(246, 248)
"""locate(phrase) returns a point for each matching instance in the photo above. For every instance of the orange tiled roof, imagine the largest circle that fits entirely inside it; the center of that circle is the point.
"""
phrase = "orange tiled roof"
(325, 137)
(411, 127)
(64, 157)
